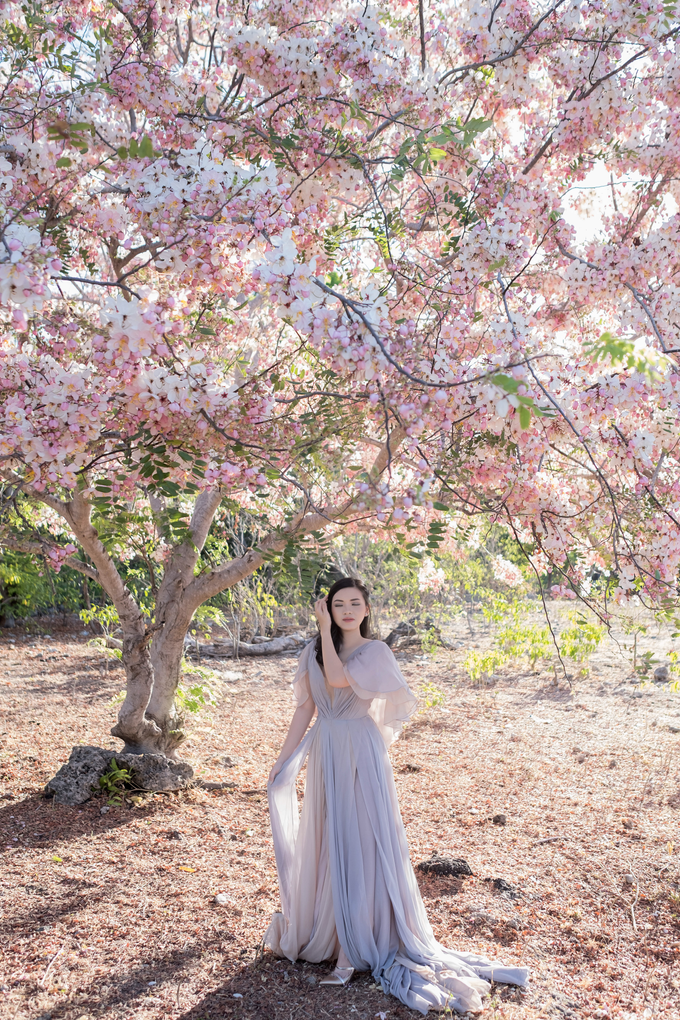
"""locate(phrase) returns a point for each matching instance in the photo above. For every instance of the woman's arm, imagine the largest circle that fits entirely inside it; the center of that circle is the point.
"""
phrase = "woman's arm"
(296, 731)
(332, 666)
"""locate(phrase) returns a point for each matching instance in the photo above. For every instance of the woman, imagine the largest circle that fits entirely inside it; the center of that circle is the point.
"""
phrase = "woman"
(348, 890)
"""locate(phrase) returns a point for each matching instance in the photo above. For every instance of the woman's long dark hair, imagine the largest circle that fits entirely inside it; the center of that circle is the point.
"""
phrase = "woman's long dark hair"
(336, 632)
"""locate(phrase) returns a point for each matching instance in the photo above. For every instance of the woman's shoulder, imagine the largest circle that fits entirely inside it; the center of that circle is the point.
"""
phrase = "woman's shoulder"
(307, 653)
(375, 648)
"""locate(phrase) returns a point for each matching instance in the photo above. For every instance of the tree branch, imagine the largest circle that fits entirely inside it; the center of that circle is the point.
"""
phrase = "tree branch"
(98, 283)
(421, 19)
(204, 511)
(440, 384)
(77, 515)
(629, 286)
(227, 575)
(34, 548)
(504, 56)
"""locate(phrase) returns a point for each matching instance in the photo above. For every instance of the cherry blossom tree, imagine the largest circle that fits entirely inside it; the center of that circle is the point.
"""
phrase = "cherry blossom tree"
(330, 266)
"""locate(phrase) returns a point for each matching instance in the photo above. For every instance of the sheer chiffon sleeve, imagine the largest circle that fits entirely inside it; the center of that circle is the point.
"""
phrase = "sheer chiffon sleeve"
(374, 675)
(300, 684)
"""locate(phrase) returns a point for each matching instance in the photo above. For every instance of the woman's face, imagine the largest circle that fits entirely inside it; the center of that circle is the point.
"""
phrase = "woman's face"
(349, 608)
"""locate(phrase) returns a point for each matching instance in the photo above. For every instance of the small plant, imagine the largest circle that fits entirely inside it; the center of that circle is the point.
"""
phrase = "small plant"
(107, 618)
(203, 672)
(430, 641)
(481, 664)
(526, 641)
(203, 620)
(193, 699)
(579, 641)
(109, 653)
(674, 660)
(195, 696)
(645, 663)
(433, 695)
(634, 629)
(496, 606)
(514, 641)
(114, 782)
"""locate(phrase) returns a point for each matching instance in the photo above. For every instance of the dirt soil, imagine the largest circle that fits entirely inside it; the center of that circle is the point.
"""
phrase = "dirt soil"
(114, 915)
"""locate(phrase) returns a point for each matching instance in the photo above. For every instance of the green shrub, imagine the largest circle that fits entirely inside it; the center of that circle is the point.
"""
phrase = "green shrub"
(481, 664)
(433, 696)
(579, 641)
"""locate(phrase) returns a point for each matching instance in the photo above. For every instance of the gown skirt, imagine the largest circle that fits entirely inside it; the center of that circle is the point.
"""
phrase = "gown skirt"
(345, 876)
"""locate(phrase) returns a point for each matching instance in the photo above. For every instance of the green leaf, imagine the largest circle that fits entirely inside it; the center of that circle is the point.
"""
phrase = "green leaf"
(476, 126)
(64, 161)
(624, 354)
(134, 150)
(506, 382)
(146, 147)
(440, 506)
(524, 417)
(122, 152)
(436, 534)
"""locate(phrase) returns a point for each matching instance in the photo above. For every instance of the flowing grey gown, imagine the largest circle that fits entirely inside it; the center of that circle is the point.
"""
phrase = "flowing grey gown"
(345, 876)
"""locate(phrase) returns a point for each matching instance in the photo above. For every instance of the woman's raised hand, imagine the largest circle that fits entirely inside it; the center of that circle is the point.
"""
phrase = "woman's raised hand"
(322, 615)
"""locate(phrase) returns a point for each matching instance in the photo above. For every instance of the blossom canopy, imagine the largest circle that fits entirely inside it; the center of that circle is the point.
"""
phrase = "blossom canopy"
(244, 248)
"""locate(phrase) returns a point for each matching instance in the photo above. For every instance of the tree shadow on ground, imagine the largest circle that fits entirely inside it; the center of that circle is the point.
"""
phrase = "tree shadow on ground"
(136, 983)
(429, 723)
(37, 821)
(97, 686)
(559, 695)
(42, 908)
(274, 989)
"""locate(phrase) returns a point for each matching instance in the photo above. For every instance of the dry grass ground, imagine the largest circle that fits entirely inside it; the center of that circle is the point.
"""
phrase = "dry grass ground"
(113, 915)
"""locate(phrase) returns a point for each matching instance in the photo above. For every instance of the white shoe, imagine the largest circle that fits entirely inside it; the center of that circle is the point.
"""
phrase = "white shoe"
(340, 976)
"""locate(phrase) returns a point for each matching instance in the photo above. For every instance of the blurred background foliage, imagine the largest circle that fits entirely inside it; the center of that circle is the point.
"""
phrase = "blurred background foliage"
(480, 589)
(404, 578)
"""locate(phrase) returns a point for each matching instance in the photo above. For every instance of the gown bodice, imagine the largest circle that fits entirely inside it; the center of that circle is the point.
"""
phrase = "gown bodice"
(336, 702)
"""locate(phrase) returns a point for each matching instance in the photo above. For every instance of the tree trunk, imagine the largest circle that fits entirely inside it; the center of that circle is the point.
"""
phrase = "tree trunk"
(140, 733)
(167, 650)
(179, 596)
(174, 611)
